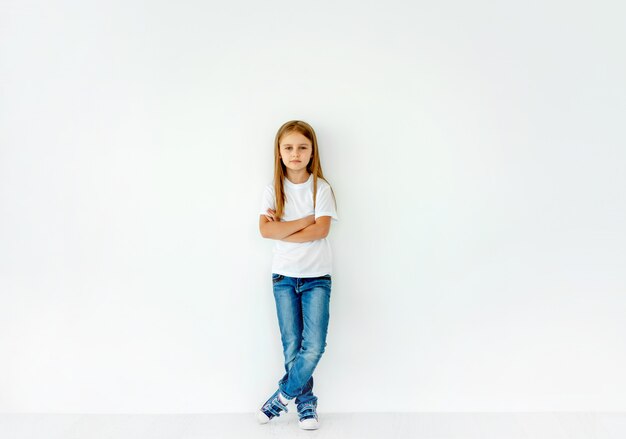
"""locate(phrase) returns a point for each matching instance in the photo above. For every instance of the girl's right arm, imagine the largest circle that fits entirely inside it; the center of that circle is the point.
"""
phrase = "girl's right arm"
(282, 229)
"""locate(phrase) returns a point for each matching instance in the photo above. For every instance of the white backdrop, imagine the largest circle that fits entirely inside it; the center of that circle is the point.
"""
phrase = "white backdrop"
(476, 150)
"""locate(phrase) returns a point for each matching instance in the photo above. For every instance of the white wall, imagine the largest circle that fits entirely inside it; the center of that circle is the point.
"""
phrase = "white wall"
(476, 151)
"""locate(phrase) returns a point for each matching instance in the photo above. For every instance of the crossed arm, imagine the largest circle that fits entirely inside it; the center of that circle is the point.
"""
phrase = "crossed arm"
(301, 230)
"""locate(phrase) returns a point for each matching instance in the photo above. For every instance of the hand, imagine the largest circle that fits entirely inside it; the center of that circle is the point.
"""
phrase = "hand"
(271, 215)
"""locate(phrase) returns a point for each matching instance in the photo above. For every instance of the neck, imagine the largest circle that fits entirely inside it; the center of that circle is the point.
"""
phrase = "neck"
(297, 177)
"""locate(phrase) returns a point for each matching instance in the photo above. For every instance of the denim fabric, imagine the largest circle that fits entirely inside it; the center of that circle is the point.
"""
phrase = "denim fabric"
(303, 308)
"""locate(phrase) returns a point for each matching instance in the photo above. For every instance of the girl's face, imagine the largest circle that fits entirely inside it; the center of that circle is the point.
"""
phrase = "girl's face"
(295, 151)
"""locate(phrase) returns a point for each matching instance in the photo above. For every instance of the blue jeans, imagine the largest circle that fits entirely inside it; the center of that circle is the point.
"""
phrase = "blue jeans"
(302, 305)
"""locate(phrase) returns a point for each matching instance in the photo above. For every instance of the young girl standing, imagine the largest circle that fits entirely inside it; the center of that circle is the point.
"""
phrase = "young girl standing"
(297, 209)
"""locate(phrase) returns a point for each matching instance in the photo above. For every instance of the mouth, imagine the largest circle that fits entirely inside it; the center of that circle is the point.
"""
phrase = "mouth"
(295, 161)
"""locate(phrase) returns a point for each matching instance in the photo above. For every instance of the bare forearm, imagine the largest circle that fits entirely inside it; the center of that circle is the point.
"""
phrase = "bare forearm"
(282, 229)
(310, 233)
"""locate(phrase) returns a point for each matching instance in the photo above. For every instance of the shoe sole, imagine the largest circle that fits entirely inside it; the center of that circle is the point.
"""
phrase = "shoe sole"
(308, 426)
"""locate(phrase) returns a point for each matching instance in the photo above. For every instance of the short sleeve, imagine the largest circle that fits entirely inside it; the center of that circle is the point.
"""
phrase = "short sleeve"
(268, 200)
(325, 203)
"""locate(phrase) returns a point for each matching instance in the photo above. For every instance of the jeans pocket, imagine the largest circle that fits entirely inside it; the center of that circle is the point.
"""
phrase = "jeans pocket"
(276, 277)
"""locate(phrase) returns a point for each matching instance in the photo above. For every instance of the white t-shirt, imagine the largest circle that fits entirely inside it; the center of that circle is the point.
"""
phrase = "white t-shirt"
(302, 259)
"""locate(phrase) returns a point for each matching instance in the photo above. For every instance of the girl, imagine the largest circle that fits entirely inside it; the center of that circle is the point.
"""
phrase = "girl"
(296, 211)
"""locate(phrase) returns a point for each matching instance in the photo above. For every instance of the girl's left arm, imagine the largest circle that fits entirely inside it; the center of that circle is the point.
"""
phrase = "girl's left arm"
(318, 230)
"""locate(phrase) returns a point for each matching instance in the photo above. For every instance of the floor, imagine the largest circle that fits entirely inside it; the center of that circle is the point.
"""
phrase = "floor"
(555, 425)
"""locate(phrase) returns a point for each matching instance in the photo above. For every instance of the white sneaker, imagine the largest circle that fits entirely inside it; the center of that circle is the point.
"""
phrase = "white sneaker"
(273, 407)
(307, 415)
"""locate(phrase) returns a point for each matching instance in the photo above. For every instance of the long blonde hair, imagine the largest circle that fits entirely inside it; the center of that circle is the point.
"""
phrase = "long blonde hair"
(314, 166)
